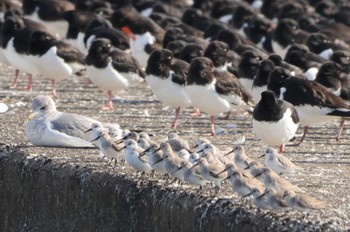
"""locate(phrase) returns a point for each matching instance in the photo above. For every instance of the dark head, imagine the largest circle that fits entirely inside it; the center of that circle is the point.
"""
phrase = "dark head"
(172, 34)
(242, 14)
(293, 10)
(230, 38)
(98, 22)
(100, 46)
(277, 77)
(200, 71)
(285, 32)
(190, 15)
(217, 52)
(191, 51)
(301, 48)
(268, 97)
(41, 42)
(263, 73)
(249, 64)
(330, 68)
(212, 30)
(176, 47)
(317, 42)
(12, 24)
(159, 63)
(342, 58)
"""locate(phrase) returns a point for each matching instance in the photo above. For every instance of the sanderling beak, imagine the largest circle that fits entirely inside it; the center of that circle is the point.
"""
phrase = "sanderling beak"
(228, 153)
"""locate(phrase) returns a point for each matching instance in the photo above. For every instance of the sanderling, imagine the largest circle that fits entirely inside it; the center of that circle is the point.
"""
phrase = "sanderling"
(279, 163)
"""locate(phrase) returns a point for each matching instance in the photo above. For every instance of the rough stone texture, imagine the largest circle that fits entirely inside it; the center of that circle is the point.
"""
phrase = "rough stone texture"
(61, 189)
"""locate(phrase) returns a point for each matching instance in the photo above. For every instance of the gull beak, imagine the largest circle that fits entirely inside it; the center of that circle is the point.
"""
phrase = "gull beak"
(188, 150)
(88, 130)
(195, 146)
(32, 115)
(122, 148)
(128, 32)
(228, 153)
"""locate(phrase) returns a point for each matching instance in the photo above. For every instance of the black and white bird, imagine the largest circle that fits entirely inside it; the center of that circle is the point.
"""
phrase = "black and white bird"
(145, 34)
(314, 103)
(50, 13)
(15, 42)
(54, 59)
(168, 80)
(261, 78)
(275, 121)
(214, 92)
(110, 68)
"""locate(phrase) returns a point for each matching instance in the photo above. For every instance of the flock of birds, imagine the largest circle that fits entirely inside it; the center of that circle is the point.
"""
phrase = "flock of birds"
(284, 62)
(199, 165)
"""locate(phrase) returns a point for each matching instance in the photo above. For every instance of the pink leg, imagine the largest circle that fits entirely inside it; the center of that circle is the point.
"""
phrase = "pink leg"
(212, 121)
(30, 84)
(281, 150)
(14, 84)
(306, 128)
(341, 126)
(177, 113)
(110, 103)
(53, 83)
(197, 113)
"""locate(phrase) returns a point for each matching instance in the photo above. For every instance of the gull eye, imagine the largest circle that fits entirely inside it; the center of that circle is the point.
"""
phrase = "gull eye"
(43, 108)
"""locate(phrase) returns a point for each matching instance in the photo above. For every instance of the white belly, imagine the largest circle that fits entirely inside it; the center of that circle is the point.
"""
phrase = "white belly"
(276, 133)
(107, 78)
(313, 115)
(168, 92)
(51, 66)
(19, 61)
(207, 99)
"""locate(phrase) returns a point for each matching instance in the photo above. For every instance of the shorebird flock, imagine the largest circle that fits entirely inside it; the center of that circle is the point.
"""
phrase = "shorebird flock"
(283, 62)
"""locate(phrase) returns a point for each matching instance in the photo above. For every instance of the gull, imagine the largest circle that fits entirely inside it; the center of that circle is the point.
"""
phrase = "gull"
(48, 127)
(278, 163)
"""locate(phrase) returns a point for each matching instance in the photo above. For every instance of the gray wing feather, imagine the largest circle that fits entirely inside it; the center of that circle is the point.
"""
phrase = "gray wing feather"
(73, 125)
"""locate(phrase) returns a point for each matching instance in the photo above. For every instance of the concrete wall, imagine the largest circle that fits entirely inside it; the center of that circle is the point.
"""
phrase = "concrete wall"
(37, 194)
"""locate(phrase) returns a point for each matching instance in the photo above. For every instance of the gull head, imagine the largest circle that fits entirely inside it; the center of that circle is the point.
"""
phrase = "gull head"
(43, 104)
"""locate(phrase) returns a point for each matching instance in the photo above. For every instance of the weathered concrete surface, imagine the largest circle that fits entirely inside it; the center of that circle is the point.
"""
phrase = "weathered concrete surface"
(72, 189)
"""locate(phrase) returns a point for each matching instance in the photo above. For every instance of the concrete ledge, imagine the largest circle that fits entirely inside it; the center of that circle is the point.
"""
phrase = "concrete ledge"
(39, 194)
